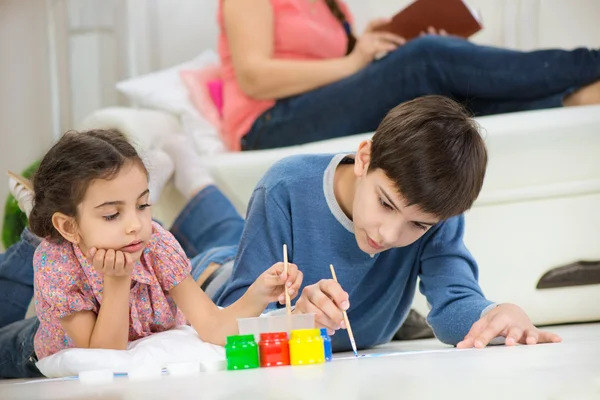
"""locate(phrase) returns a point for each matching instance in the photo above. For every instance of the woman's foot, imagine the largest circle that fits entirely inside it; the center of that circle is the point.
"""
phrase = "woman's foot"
(584, 96)
(160, 169)
(191, 175)
(22, 190)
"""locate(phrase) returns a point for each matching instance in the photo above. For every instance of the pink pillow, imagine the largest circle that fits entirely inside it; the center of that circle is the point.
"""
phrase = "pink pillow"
(215, 88)
(206, 92)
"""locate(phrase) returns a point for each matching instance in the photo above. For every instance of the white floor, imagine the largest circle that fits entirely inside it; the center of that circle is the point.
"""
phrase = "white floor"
(424, 369)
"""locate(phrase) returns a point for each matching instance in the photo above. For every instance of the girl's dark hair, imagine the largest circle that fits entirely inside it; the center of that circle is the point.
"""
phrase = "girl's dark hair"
(337, 12)
(67, 170)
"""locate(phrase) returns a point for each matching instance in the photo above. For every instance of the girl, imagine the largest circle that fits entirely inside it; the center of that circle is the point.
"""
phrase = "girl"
(293, 72)
(105, 273)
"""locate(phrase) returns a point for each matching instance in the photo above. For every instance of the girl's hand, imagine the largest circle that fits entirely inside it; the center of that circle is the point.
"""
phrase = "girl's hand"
(269, 286)
(374, 44)
(111, 262)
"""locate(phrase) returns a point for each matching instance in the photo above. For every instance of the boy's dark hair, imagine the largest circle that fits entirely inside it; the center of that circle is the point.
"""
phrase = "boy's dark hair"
(432, 150)
(67, 170)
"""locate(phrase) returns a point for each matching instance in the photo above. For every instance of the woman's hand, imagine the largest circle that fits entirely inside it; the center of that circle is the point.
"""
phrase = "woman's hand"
(432, 31)
(374, 44)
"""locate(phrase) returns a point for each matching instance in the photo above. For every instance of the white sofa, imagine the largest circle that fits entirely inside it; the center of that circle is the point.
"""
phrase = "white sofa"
(538, 210)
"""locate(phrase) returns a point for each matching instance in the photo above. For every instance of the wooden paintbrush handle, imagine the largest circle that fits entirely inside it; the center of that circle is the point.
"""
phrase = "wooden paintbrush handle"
(288, 303)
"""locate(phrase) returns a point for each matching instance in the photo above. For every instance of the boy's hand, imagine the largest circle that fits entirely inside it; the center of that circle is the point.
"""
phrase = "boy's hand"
(506, 320)
(326, 299)
(111, 262)
(270, 285)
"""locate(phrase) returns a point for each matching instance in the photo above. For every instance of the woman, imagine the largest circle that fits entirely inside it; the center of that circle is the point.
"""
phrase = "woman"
(293, 73)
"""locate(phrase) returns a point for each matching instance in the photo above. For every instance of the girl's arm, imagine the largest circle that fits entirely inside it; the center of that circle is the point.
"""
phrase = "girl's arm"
(213, 324)
(249, 30)
(110, 328)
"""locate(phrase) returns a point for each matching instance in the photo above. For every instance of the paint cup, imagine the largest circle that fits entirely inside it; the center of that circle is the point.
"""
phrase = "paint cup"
(326, 344)
(241, 352)
(306, 347)
(279, 323)
(274, 349)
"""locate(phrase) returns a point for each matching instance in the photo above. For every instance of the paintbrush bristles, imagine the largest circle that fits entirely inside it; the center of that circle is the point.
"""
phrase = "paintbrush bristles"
(288, 305)
(346, 320)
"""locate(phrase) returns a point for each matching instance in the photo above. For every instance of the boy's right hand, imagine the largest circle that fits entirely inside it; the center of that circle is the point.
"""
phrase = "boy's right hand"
(111, 262)
(327, 300)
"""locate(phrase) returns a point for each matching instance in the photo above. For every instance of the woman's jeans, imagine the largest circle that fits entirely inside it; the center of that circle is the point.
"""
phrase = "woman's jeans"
(487, 80)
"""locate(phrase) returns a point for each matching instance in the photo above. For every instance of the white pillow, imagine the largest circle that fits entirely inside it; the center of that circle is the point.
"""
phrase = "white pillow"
(180, 344)
(164, 90)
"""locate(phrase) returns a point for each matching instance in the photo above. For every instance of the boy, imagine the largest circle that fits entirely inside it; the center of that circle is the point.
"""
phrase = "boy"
(385, 216)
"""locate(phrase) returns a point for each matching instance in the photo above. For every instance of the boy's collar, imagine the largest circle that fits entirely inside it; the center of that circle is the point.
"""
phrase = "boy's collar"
(329, 193)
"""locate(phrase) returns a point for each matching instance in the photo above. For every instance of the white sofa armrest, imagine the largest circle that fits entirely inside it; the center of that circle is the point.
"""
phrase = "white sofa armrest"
(144, 127)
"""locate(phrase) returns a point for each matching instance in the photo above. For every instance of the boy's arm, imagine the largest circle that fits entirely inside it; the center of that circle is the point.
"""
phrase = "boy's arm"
(267, 229)
(449, 282)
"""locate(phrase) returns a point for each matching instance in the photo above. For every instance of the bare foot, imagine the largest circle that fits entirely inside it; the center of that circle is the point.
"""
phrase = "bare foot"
(586, 95)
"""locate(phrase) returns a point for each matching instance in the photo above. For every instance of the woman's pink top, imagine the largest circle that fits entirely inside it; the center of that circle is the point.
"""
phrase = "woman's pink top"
(303, 30)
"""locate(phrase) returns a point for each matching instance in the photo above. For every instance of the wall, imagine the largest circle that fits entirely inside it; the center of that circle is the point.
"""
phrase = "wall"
(25, 107)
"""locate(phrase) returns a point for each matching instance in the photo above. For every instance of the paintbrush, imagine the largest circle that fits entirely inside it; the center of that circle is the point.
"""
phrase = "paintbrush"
(288, 305)
(348, 328)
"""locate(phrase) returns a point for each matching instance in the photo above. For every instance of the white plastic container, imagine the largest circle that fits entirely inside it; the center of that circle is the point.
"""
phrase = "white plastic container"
(279, 323)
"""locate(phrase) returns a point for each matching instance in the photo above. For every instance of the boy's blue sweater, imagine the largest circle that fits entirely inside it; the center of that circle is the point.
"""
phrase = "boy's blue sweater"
(294, 204)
